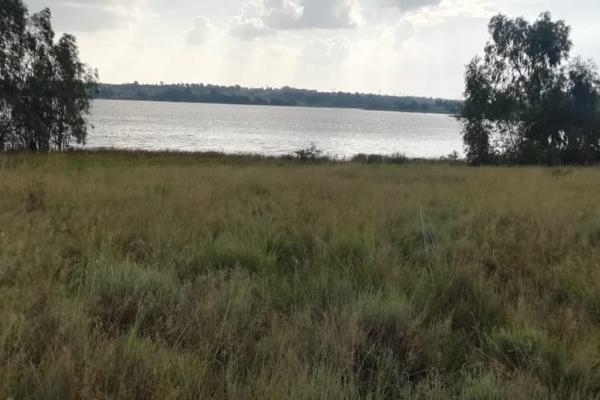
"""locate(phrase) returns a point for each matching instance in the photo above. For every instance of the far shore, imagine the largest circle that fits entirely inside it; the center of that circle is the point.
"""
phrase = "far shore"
(283, 106)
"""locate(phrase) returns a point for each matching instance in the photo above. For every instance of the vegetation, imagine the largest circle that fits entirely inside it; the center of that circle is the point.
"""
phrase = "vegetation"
(525, 103)
(165, 276)
(45, 90)
(286, 96)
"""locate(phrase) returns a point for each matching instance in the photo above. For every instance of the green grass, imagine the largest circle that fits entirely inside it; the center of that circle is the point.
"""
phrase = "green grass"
(173, 276)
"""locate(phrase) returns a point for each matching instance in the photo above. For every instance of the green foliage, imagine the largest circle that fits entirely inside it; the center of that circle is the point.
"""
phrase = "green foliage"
(526, 103)
(45, 91)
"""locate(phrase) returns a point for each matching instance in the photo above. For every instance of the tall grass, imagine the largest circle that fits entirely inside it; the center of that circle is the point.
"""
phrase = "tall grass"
(187, 277)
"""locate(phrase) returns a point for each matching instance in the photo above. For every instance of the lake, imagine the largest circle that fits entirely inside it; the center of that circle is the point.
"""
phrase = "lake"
(269, 130)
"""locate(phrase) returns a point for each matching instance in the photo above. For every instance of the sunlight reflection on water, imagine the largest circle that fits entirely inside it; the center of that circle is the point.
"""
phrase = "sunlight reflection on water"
(269, 130)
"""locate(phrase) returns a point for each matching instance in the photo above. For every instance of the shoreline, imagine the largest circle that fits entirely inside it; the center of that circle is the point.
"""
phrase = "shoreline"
(292, 157)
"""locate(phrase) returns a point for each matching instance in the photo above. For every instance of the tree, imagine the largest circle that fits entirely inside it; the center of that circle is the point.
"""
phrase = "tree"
(74, 86)
(12, 47)
(525, 103)
(45, 90)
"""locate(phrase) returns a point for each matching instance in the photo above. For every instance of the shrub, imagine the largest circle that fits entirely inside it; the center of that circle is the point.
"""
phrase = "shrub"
(309, 154)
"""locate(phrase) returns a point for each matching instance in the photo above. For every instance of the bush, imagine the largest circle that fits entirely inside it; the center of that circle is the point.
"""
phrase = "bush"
(309, 154)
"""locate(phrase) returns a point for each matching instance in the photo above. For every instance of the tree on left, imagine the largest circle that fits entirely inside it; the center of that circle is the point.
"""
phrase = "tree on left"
(45, 90)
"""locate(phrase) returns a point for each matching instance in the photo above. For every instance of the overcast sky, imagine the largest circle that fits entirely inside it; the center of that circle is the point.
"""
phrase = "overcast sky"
(416, 47)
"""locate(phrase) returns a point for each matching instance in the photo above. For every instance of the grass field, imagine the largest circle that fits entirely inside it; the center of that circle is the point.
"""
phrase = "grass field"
(136, 276)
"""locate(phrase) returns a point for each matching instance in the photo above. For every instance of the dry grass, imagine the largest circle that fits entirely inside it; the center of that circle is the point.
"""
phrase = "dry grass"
(187, 277)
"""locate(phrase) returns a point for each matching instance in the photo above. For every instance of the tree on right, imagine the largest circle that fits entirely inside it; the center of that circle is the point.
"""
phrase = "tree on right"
(527, 102)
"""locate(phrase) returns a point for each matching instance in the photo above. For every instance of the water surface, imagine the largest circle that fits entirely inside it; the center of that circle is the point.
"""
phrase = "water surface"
(269, 130)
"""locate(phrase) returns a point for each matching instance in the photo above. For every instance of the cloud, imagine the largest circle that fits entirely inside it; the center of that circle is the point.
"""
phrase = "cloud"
(330, 14)
(281, 14)
(433, 12)
(260, 17)
(448, 9)
(410, 5)
(248, 27)
(89, 15)
(200, 31)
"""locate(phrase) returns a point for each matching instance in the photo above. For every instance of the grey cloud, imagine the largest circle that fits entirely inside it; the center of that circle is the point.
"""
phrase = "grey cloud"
(281, 14)
(267, 16)
(330, 14)
(409, 5)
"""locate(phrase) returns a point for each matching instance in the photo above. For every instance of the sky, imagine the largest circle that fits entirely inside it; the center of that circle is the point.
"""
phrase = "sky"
(399, 47)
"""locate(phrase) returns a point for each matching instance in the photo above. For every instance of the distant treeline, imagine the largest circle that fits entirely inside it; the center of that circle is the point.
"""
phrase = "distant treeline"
(286, 96)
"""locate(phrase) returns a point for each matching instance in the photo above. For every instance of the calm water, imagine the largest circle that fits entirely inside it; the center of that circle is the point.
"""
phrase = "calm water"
(269, 130)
